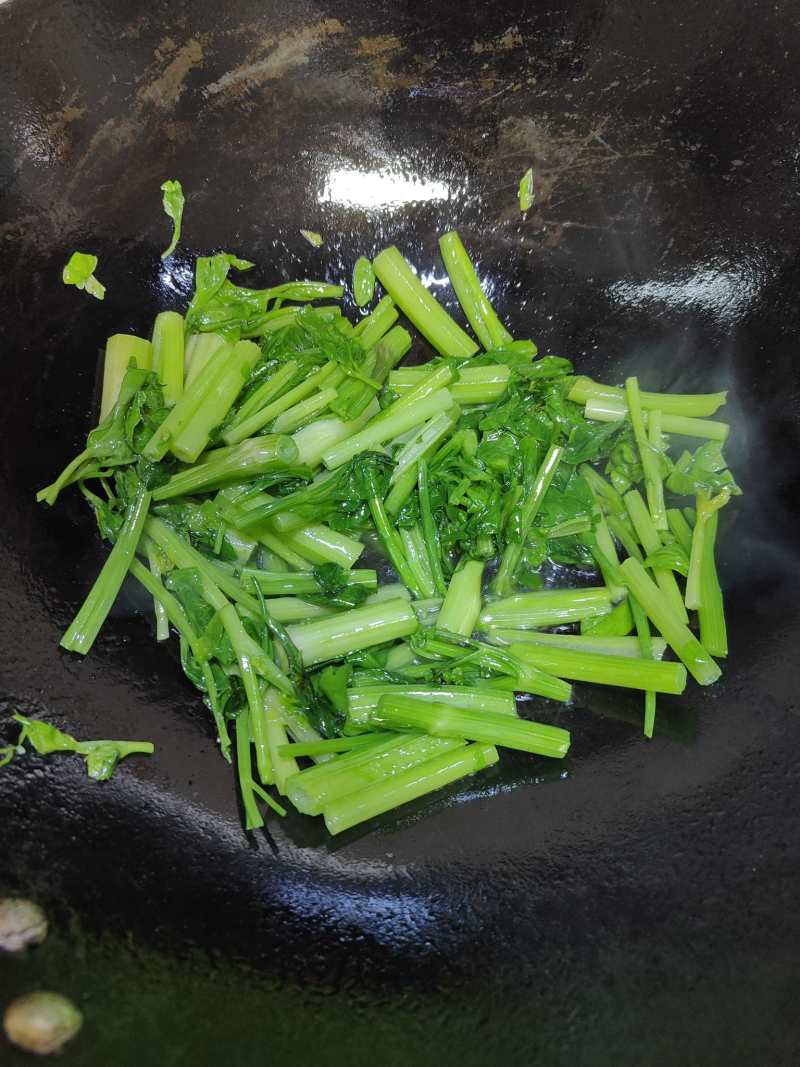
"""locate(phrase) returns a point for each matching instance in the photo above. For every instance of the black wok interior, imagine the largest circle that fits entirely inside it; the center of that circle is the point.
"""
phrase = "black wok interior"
(635, 906)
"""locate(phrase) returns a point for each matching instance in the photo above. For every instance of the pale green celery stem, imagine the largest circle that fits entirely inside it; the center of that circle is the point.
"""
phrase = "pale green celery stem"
(320, 544)
(121, 348)
(313, 789)
(530, 680)
(677, 635)
(267, 391)
(680, 529)
(646, 645)
(253, 818)
(284, 584)
(605, 543)
(550, 607)
(604, 492)
(427, 609)
(198, 350)
(652, 476)
(275, 542)
(316, 438)
(285, 609)
(396, 419)
(462, 603)
(655, 439)
(168, 353)
(300, 729)
(335, 745)
(162, 621)
(442, 720)
(83, 629)
(651, 542)
(684, 426)
(351, 631)
(371, 329)
(430, 318)
(475, 304)
(436, 773)
(423, 442)
(243, 547)
(687, 404)
(621, 527)
(529, 509)
(711, 614)
(400, 656)
(417, 556)
(602, 669)
(390, 591)
(283, 767)
(475, 385)
(307, 409)
(617, 623)
(362, 700)
(269, 412)
(183, 554)
(628, 647)
(247, 460)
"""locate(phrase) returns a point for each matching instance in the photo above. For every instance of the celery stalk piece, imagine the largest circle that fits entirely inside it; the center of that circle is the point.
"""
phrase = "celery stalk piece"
(474, 302)
(313, 789)
(646, 646)
(247, 460)
(363, 699)
(252, 816)
(285, 609)
(627, 647)
(202, 389)
(363, 281)
(320, 544)
(300, 730)
(550, 607)
(276, 385)
(651, 542)
(650, 461)
(376, 325)
(655, 438)
(83, 629)
(604, 492)
(354, 395)
(279, 583)
(423, 441)
(528, 510)
(475, 385)
(416, 558)
(462, 604)
(168, 354)
(706, 507)
(318, 436)
(396, 419)
(275, 543)
(295, 417)
(421, 307)
(607, 555)
(400, 655)
(442, 720)
(284, 765)
(579, 666)
(121, 348)
(183, 554)
(617, 623)
(711, 613)
(351, 631)
(680, 528)
(333, 745)
(198, 350)
(162, 620)
(390, 591)
(269, 412)
(667, 621)
(694, 405)
(602, 410)
(434, 774)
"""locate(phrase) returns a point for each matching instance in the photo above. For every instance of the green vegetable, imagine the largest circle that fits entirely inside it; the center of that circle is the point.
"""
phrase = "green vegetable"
(363, 281)
(79, 271)
(173, 201)
(313, 238)
(604, 669)
(101, 757)
(433, 774)
(480, 314)
(352, 631)
(526, 192)
(41, 1022)
(550, 607)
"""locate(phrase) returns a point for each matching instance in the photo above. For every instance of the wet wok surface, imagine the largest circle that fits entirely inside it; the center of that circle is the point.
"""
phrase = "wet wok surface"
(639, 904)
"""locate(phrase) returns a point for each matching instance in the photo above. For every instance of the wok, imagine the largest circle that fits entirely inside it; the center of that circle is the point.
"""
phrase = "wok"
(639, 904)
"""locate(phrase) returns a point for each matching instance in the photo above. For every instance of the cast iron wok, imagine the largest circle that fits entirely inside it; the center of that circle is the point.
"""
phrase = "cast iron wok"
(638, 905)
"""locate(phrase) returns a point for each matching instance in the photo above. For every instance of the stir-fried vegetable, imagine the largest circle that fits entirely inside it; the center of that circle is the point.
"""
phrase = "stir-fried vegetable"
(319, 525)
